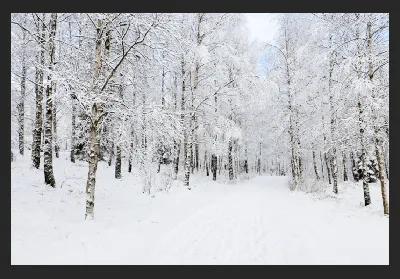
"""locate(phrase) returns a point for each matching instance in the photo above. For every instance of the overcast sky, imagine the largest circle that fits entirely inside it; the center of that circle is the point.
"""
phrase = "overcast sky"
(262, 26)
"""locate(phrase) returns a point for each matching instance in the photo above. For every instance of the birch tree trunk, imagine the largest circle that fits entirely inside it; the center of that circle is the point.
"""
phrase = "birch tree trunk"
(230, 160)
(327, 168)
(333, 124)
(73, 134)
(196, 152)
(353, 163)
(214, 166)
(48, 147)
(259, 160)
(345, 177)
(21, 105)
(177, 147)
(94, 145)
(362, 126)
(315, 165)
(132, 138)
(322, 165)
(118, 163)
(182, 121)
(189, 153)
(294, 165)
(293, 151)
(378, 151)
(118, 158)
(37, 131)
(56, 146)
(367, 198)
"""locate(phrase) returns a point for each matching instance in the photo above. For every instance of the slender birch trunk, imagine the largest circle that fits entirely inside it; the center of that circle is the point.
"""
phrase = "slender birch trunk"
(73, 133)
(327, 168)
(73, 104)
(333, 124)
(21, 105)
(214, 166)
(322, 165)
(353, 163)
(37, 131)
(362, 126)
(56, 146)
(315, 165)
(132, 138)
(345, 177)
(230, 160)
(48, 137)
(94, 144)
(118, 163)
(188, 153)
(378, 150)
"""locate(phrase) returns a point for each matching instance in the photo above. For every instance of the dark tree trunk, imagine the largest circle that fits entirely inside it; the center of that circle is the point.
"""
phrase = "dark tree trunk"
(37, 131)
(214, 166)
(21, 105)
(189, 153)
(118, 163)
(300, 164)
(345, 177)
(322, 165)
(327, 168)
(367, 197)
(220, 165)
(191, 158)
(73, 135)
(48, 148)
(131, 153)
(196, 152)
(353, 162)
(133, 137)
(176, 159)
(315, 165)
(56, 146)
(387, 169)
(230, 161)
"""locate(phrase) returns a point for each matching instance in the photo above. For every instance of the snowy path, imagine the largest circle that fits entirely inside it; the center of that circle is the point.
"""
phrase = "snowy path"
(257, 221)
(262, 223)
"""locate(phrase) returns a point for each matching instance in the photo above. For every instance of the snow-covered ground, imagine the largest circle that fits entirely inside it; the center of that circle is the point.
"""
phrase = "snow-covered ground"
(257, 221)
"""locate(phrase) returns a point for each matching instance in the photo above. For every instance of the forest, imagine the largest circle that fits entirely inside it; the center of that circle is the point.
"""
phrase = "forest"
(174, 96)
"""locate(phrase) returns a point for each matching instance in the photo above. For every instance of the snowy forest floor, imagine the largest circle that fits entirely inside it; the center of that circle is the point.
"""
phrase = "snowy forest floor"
(255, 221)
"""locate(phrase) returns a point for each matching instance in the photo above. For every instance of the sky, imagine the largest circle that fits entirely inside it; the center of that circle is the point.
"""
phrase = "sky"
(262, 26)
